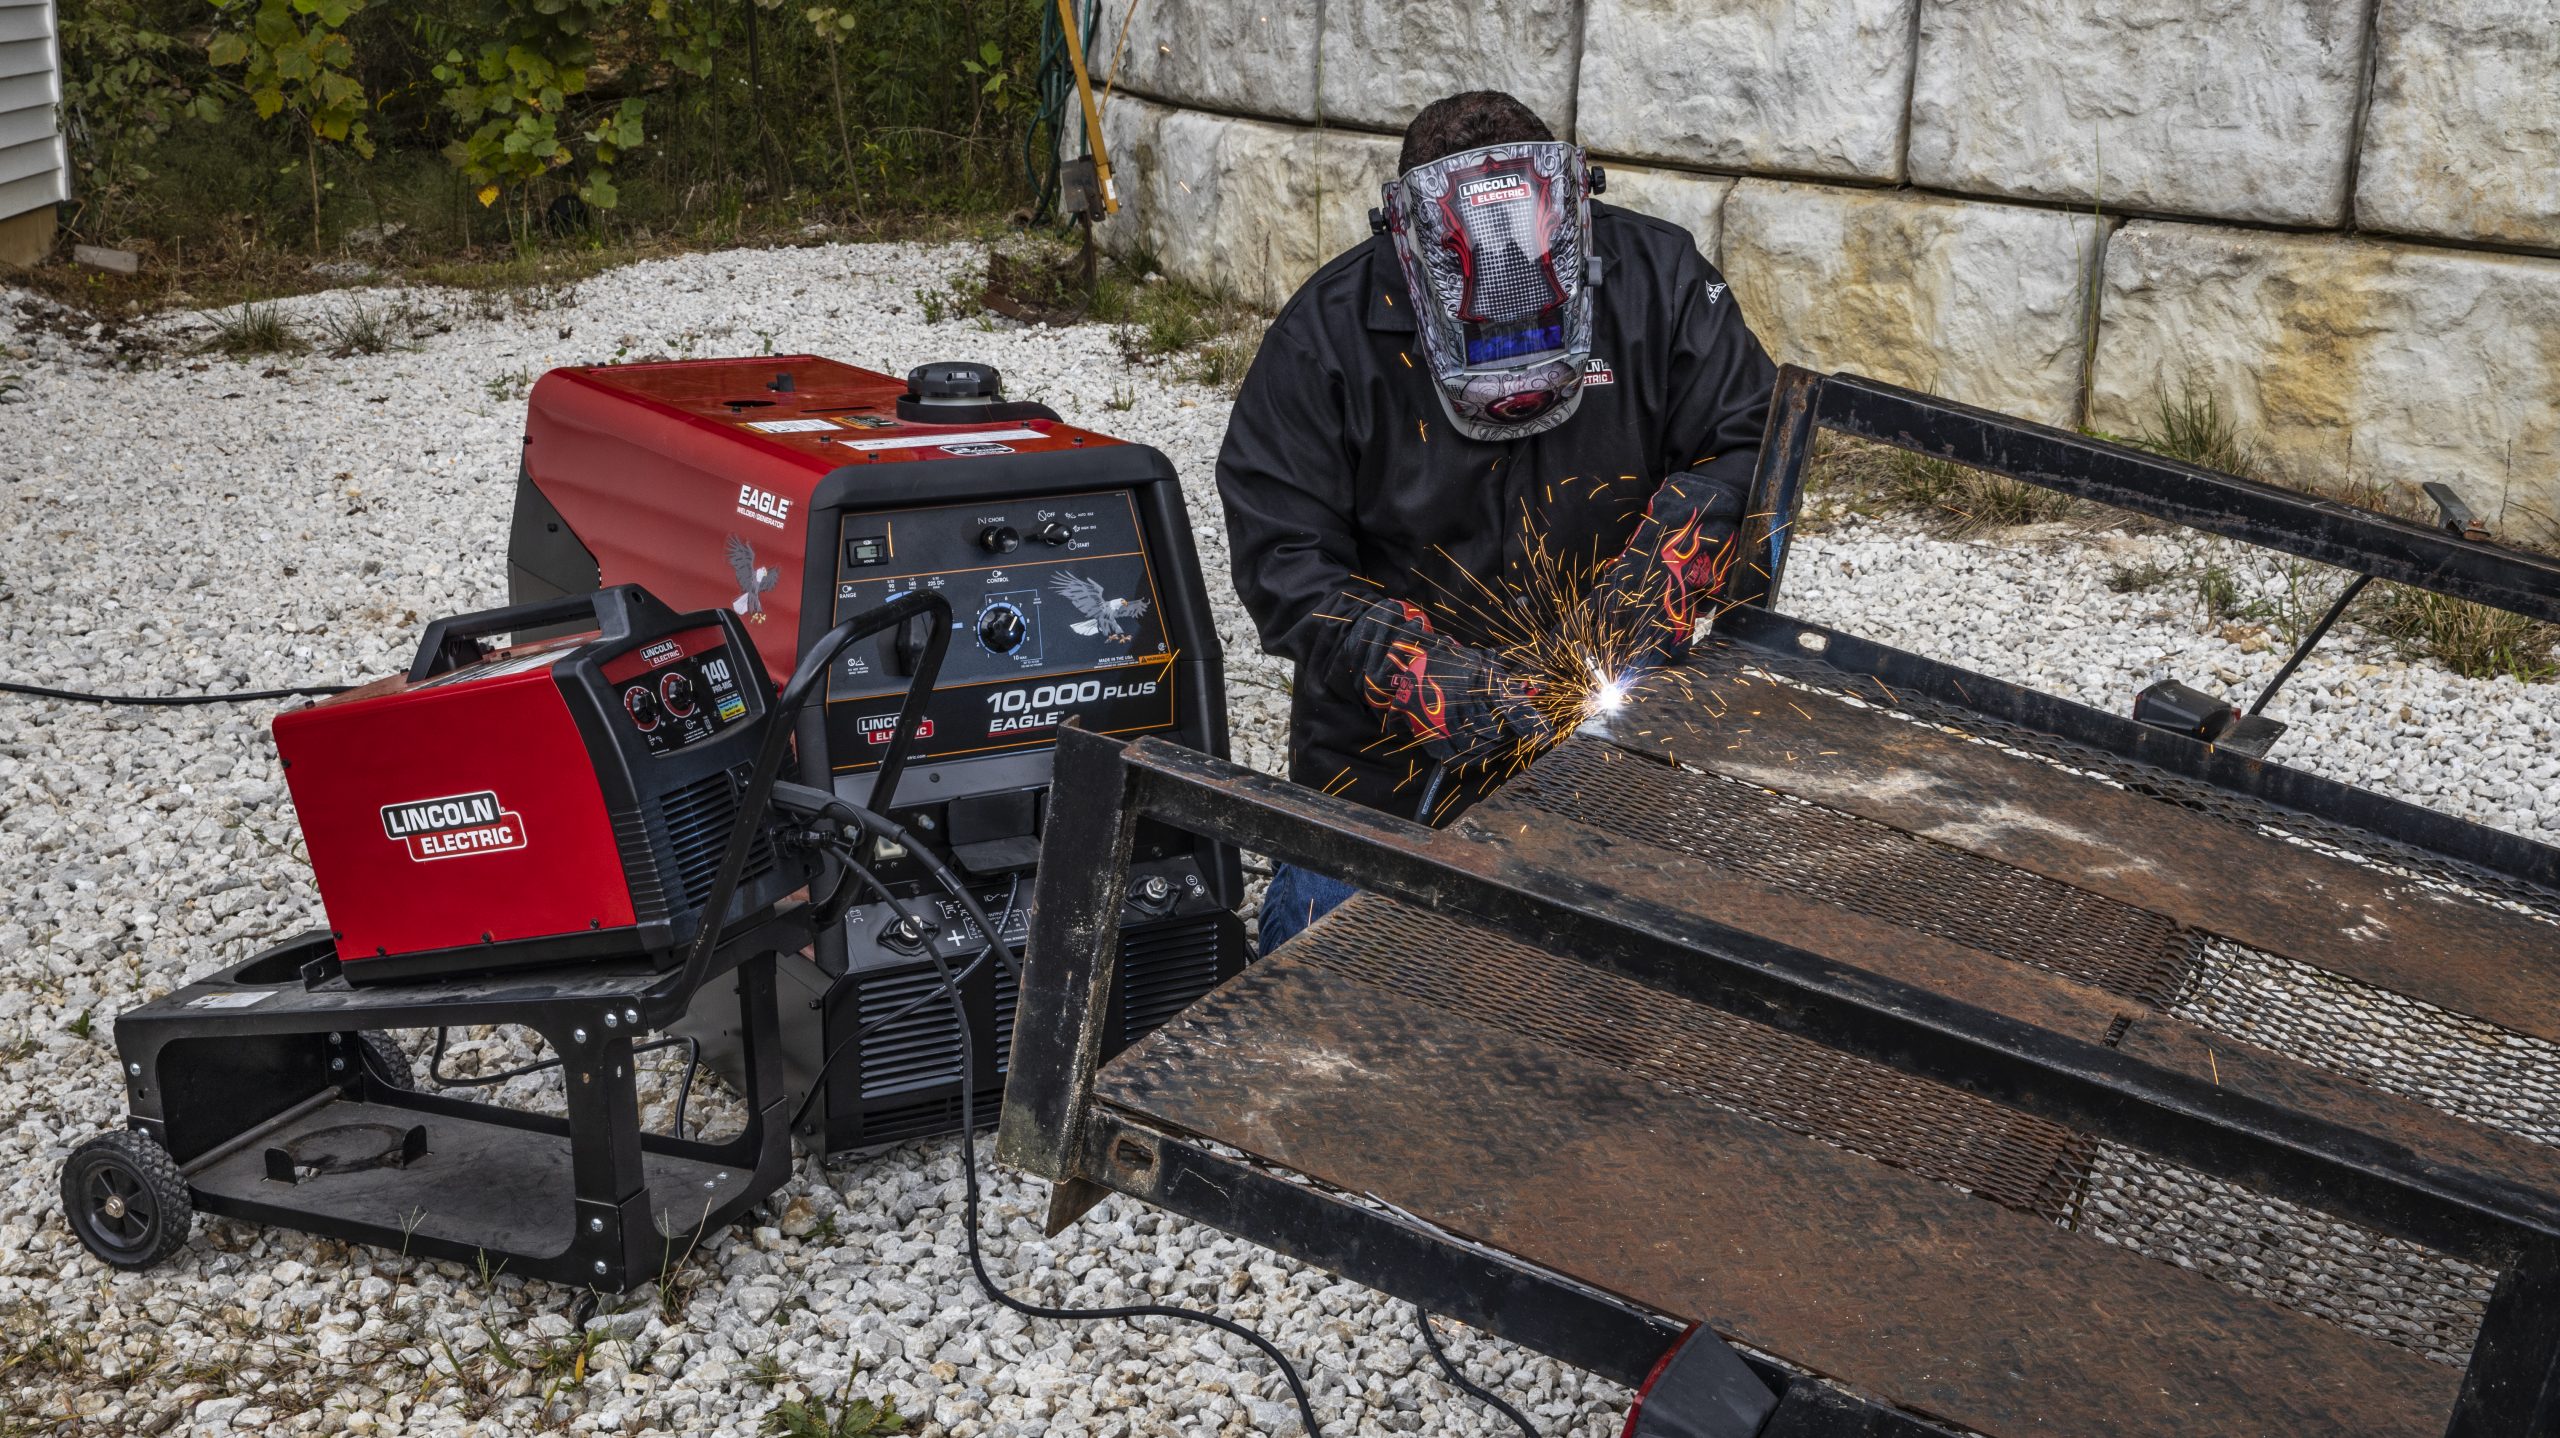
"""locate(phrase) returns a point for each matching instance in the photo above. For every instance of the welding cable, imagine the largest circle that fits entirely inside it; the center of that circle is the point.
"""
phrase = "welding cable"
(977, 1257)
(1466, 1385)
(172, 701)
(860, 872)
(951, 992)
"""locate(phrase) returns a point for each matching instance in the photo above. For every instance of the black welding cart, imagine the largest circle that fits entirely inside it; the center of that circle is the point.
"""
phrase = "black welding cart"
(270, 1091)
(1802, 1004)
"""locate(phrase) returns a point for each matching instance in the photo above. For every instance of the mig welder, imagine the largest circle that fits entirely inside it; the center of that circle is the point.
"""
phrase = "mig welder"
(793, 491)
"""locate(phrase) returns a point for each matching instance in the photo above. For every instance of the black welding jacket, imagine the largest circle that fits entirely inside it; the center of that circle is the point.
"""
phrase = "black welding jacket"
(1340, 472)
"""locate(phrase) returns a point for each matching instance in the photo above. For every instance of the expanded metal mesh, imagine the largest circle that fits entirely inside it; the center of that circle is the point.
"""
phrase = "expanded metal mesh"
(1867, 868)
(2011, 1158)
(2346, 841)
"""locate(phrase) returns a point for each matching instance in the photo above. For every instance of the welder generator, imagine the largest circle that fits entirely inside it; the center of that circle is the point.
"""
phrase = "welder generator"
(587, 836)
(794, 491)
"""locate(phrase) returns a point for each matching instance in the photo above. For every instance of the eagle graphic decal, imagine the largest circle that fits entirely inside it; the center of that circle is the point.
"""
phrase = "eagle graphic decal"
(1102, 613)
(753, 580)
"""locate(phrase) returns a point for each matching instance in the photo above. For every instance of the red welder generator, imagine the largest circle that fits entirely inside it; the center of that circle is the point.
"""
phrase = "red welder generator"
(794, 491)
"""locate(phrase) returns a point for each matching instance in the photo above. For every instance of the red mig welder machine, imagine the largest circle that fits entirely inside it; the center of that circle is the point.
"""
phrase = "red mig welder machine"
(577, 835)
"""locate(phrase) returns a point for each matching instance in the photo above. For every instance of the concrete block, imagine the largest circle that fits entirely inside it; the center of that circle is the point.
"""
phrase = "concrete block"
(1350, 166)
(1227, 204)
(2347, 361)
(1386, 59)
(1254, 57)
(1808, 87)
(2463, 139)
(1977, 302)
(2239, 109)
(1693, 202)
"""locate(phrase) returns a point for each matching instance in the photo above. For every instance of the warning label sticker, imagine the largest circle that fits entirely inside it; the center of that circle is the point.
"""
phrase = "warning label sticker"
(236, 999)
(924, 441)
(792, 426)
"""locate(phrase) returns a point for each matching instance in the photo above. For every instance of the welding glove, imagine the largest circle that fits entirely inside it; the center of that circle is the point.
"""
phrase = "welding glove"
(1462, 704)
(1651, 597)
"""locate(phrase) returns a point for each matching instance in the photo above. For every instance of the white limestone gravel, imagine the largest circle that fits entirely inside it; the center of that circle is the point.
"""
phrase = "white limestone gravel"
(172, 524)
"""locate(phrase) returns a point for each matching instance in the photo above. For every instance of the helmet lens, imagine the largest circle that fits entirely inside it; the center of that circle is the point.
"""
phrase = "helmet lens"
(1502, 219)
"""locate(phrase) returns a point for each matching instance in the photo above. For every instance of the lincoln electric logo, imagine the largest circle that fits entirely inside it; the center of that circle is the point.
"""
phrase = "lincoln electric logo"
(1494, 191)
(454, 826)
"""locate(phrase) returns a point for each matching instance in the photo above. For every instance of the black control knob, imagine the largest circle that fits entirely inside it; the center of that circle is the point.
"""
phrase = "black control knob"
(999, 539)
(1001, 628)
(1055, 533)
(642, 706)
(676, 692)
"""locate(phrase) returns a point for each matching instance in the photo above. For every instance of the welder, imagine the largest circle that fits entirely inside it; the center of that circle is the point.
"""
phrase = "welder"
(1506, 376)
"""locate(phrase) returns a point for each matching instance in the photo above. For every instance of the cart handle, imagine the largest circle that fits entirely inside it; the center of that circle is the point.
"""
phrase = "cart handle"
(453, 642)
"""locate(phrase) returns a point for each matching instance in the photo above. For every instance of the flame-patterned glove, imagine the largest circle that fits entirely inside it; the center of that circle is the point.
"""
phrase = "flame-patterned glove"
(1462, 704)
(1671, 571)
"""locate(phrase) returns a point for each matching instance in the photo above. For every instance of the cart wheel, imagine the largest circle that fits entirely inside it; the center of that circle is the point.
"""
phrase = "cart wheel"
(126, 1199)
(385, 1057)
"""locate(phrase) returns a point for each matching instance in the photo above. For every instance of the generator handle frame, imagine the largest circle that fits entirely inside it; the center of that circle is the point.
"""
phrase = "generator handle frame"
(757, 800)
(454, 641)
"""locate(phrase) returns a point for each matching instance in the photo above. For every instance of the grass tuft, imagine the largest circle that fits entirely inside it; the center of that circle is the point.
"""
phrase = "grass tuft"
(250, 331)
(2192, 425)
(2472, 640)
(853, 1418)
(361, 329)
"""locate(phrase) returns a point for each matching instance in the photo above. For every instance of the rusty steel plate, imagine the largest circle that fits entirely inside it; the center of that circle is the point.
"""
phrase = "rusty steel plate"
(2393, 932)
(1924, 1297)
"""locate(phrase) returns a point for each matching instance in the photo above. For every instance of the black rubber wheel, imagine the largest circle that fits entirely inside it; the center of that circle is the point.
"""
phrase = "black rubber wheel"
(126, 1200)
(386, 1059)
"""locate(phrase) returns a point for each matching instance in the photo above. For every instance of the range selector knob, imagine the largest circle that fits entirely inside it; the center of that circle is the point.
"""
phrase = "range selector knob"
(642, 705)
(676, 692)
(999, 539)
(1055, 533)
(1001, 628)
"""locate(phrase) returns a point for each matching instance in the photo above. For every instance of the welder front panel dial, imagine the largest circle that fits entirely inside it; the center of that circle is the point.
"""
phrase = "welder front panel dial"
(1001, 627)
(641, 703)
(675, 691)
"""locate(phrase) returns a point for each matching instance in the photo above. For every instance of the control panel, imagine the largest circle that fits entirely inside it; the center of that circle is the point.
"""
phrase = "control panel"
(677, 691)
(1054, 614)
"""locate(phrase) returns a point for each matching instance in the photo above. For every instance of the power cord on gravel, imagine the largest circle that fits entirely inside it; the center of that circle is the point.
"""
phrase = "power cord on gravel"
(171, 701)
(951, 992)
(1466, 1385)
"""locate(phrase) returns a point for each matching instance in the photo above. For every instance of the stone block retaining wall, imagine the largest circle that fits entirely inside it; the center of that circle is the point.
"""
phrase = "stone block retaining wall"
(2342, 217)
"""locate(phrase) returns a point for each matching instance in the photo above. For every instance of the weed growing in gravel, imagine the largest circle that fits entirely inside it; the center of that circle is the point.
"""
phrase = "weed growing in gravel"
(2217, 589)
(250, 331)
(506, 388)
(1124, 396)
(363, 329)
(2472, 640)
(2136, 578)
(853, 1418)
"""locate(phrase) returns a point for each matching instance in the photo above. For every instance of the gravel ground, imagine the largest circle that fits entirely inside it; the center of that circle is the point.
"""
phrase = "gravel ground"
(179, 524)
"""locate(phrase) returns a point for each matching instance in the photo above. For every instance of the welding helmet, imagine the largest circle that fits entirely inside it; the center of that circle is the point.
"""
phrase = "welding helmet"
(1496, 245)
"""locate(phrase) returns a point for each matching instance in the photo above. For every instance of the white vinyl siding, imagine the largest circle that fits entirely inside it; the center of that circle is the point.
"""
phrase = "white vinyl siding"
(34, 170)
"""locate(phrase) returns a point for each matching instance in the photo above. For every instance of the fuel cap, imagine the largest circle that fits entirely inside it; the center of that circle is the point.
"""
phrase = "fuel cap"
(954, 382)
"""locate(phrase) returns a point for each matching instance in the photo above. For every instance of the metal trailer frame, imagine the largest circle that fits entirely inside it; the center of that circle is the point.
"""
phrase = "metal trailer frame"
(1053, 1126)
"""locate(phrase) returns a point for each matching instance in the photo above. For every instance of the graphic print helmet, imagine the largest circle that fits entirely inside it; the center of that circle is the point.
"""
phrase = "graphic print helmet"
(1495, 243)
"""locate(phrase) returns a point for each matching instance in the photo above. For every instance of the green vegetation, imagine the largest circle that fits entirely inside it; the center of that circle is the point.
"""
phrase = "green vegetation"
(852, 1418)
(232, 142)
(252, 330)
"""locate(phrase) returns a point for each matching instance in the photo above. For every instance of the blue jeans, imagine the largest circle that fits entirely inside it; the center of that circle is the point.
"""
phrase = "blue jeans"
(1296, 898)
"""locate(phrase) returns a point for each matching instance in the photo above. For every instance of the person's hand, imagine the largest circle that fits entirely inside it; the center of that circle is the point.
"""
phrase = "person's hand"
(1651, 596)
(1462, 704)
